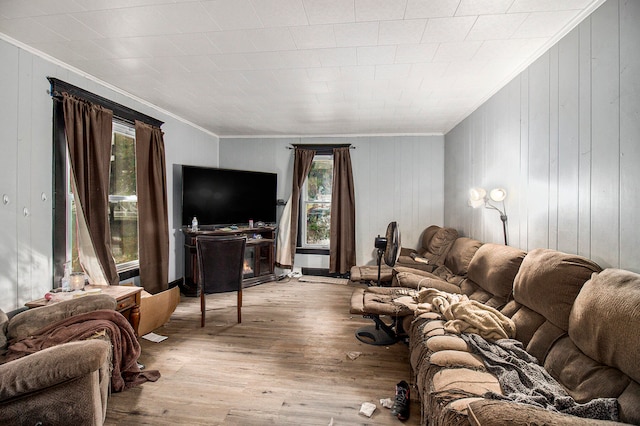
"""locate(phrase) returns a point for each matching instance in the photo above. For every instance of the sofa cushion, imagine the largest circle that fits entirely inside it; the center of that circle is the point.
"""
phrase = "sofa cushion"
(4, 320)
(426, 280)
(604, 325)
(546, 272)
(465, 381)
(545, 288)
(503, 413)
(583, 378)
(452, 358)
(370, 273)
(32, 320)
(439, 245)
(448, 342)
(460, 255)
(493, 270)
(427, 235)
(605, 320)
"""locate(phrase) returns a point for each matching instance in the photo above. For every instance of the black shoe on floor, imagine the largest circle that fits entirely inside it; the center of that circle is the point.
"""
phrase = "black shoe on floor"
(400, 407)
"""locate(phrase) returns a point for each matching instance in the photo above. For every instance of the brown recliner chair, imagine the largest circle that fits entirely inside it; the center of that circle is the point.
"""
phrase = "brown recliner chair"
(435, 244)
(64, 384)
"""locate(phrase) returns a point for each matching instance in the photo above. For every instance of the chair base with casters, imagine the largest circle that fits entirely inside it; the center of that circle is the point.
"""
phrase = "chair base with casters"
(379, 334)
(375, 303)
(220, 267)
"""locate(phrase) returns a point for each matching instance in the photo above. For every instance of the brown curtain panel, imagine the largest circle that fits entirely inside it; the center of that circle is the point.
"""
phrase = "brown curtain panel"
(88, 131)
(153, 218)
(342, 249)
(301, 166)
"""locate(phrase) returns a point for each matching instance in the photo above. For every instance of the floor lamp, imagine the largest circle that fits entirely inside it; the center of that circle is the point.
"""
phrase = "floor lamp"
(478, 198)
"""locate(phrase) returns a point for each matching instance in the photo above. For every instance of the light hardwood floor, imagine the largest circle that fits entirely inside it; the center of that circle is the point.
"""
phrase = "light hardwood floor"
(286, 364)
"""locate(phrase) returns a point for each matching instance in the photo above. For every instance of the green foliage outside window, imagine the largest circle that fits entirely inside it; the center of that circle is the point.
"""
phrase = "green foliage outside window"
(123, 205)
(318, 207)
(123, 214)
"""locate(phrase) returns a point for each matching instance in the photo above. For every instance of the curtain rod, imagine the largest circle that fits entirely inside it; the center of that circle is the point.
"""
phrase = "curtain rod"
(119, 111)
(327, 146)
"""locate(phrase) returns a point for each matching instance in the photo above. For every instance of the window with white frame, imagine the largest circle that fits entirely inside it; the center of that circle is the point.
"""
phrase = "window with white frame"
(315, 204)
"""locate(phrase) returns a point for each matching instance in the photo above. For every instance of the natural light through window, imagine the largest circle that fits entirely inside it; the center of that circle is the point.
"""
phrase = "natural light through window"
(316, 203)
(123, 203)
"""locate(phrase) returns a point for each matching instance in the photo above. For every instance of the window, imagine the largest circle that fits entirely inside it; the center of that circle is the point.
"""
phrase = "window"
(123, 211)
(315, 204)
(123, 202)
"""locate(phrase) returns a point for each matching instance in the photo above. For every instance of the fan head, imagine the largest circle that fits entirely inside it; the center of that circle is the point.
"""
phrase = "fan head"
(392, 249)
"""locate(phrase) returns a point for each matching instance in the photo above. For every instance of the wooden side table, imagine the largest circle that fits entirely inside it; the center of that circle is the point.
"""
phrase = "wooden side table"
(127, 301)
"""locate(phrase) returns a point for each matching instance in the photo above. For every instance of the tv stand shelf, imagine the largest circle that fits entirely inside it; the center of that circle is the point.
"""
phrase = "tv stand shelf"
(259, 255)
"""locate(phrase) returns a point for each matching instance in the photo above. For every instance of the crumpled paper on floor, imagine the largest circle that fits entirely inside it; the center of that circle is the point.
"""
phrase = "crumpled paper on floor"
(353, 355)
(386, 403)
(367, 409)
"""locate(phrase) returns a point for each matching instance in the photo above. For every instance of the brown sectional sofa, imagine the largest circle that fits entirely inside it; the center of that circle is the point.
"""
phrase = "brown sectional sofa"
(581, 323)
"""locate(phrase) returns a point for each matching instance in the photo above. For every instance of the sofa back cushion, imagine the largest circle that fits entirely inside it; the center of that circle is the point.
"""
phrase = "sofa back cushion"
(605, 320)
(460, 255)
(545, 288)
(599, 358)
(439, 245)
(4, 320)
(427, 234)
(30, 321)
(491, 274)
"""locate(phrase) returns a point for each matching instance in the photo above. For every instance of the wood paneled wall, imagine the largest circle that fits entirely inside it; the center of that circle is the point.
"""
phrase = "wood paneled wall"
(26, 149)
(564, 139)
(397, 178)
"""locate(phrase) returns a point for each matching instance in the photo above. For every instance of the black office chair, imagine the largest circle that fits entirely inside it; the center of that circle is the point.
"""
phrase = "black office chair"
(220, 267)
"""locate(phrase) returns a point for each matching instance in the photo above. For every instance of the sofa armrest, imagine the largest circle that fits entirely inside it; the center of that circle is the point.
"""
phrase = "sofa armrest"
(410, 263)
(505, 413)
(404, 251)
(52, 366)
(26, 323)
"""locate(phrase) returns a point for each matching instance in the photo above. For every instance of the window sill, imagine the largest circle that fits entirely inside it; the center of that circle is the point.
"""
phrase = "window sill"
(301, 250)
(128, 270)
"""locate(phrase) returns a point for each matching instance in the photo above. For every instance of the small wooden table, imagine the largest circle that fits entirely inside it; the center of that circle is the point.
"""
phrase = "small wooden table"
(127, 301)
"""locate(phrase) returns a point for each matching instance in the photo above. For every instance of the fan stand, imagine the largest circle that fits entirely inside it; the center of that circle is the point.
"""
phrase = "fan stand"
(379, 334)
(380, 253)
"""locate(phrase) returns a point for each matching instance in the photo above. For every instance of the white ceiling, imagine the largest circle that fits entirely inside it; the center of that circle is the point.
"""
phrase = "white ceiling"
(299, 67)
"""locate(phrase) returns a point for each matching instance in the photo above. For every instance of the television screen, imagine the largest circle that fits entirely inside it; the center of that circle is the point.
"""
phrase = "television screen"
(227, 197)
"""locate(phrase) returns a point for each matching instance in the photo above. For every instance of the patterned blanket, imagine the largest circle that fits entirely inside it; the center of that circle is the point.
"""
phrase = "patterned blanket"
(523, 380)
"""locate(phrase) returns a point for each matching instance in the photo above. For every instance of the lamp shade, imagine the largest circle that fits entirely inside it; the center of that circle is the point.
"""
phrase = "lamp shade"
(498, 194)
(477, 197)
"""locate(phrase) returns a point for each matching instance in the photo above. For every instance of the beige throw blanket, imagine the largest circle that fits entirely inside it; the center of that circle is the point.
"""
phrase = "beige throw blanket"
(464, 315)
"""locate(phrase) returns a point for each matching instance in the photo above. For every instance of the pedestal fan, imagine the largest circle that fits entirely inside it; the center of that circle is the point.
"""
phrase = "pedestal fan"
(388, 248)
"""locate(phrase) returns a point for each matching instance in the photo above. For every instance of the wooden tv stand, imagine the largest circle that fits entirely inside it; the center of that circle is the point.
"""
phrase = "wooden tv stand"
(259, 256)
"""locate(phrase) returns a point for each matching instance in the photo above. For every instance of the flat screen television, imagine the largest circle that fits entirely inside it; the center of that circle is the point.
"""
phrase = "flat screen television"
(227, 197)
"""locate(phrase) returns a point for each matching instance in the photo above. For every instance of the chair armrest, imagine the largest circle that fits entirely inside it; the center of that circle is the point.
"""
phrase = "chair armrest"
(52, 366)
(26, 323)
(505, 413)
(404, 251)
